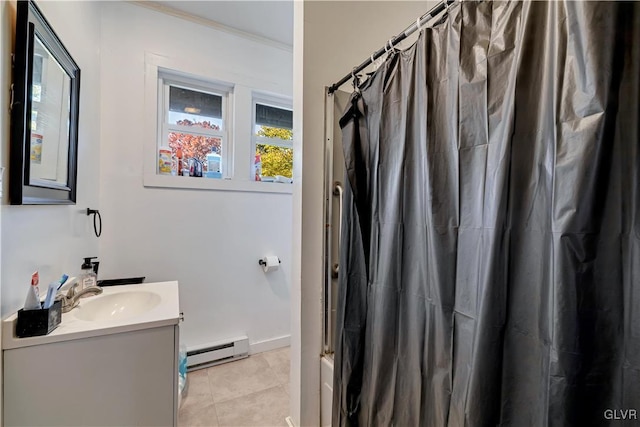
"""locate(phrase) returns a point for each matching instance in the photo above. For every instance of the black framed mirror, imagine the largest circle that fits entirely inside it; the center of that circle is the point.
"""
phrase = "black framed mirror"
(44, 114)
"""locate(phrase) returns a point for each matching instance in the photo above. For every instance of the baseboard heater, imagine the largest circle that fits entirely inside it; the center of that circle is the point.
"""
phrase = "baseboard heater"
(216, 353)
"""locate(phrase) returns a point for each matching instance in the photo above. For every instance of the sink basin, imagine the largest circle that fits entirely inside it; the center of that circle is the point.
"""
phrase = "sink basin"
(122, 305)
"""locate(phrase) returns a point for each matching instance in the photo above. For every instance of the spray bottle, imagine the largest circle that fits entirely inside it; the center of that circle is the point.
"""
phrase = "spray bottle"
(33, 298)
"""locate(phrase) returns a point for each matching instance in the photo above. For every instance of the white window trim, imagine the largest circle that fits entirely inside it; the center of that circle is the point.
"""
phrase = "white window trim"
(271, 101)
(154, 63)
(194, 130)
(286, 143)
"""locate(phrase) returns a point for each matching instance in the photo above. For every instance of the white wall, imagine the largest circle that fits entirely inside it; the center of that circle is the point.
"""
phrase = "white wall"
(336, 37)
(54, 239)
(210, 241)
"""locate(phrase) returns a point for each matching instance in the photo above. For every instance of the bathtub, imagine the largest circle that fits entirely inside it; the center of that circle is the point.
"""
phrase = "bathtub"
(326, 390)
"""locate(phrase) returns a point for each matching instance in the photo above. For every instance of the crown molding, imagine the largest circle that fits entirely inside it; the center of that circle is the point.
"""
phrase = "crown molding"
(158, 7)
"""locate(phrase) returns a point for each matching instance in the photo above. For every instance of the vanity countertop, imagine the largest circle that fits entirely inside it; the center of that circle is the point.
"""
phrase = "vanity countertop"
(167, 312)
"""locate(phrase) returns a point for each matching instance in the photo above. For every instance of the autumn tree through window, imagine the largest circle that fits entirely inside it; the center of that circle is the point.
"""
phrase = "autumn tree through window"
(273, 139)
(189, 145)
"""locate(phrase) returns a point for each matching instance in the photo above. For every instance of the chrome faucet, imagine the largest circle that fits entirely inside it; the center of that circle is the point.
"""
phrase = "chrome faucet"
(70, 300)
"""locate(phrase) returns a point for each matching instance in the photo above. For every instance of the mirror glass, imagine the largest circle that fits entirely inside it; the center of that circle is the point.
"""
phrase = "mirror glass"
(44, 114)
(50, 109)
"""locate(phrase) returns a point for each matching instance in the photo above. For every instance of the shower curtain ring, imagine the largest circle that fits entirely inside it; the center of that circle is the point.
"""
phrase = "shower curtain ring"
(390, 43)
(447, 5)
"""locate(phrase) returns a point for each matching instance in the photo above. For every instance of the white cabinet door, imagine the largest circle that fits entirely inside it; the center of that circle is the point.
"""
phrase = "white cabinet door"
(125, 379)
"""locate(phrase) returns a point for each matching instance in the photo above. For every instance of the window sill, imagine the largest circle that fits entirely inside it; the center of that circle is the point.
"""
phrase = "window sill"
(192, 183)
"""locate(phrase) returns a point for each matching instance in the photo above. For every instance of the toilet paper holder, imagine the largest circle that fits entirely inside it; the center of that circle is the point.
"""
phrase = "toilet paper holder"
(262, 262)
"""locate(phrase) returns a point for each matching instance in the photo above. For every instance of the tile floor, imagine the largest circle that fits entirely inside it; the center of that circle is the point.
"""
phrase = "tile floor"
(252, 392)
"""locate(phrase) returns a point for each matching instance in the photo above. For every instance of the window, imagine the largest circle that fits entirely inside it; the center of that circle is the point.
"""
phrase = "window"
(272, 140)
(189, 117)
(193, 134)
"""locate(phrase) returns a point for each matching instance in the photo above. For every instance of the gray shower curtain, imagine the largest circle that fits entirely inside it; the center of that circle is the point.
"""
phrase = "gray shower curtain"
(490, 259)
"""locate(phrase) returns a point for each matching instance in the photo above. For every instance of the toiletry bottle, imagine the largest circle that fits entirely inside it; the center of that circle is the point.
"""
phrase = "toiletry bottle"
(179, 156)
(88, 276)
(257, 167)
(164, 161)
(214, 165)
(198, 168)
(33, 298)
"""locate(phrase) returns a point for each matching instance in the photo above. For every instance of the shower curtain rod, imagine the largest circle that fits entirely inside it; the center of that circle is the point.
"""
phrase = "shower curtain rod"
(394, 41)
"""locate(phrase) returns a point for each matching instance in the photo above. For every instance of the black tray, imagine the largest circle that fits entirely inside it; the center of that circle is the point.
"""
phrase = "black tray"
(117, 282)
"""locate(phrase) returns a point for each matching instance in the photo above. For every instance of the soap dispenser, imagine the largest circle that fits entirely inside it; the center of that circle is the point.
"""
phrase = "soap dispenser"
(88, 277)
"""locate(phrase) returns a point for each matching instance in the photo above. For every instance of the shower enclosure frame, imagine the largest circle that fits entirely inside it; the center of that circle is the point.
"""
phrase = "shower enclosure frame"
(327, 323)
(334, 169)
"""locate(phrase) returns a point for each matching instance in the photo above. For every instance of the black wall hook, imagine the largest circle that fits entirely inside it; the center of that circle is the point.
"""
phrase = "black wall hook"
(95, 213)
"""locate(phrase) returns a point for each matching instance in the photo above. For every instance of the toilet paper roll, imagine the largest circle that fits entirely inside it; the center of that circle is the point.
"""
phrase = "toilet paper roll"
(270, 263)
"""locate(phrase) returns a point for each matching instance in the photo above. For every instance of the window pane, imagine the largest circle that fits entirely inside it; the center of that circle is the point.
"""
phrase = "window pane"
(275, 160)
(193, 108)
(274, 117)
(193, 146)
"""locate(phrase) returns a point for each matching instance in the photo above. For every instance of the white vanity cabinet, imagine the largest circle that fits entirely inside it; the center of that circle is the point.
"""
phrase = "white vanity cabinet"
(117, 375)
